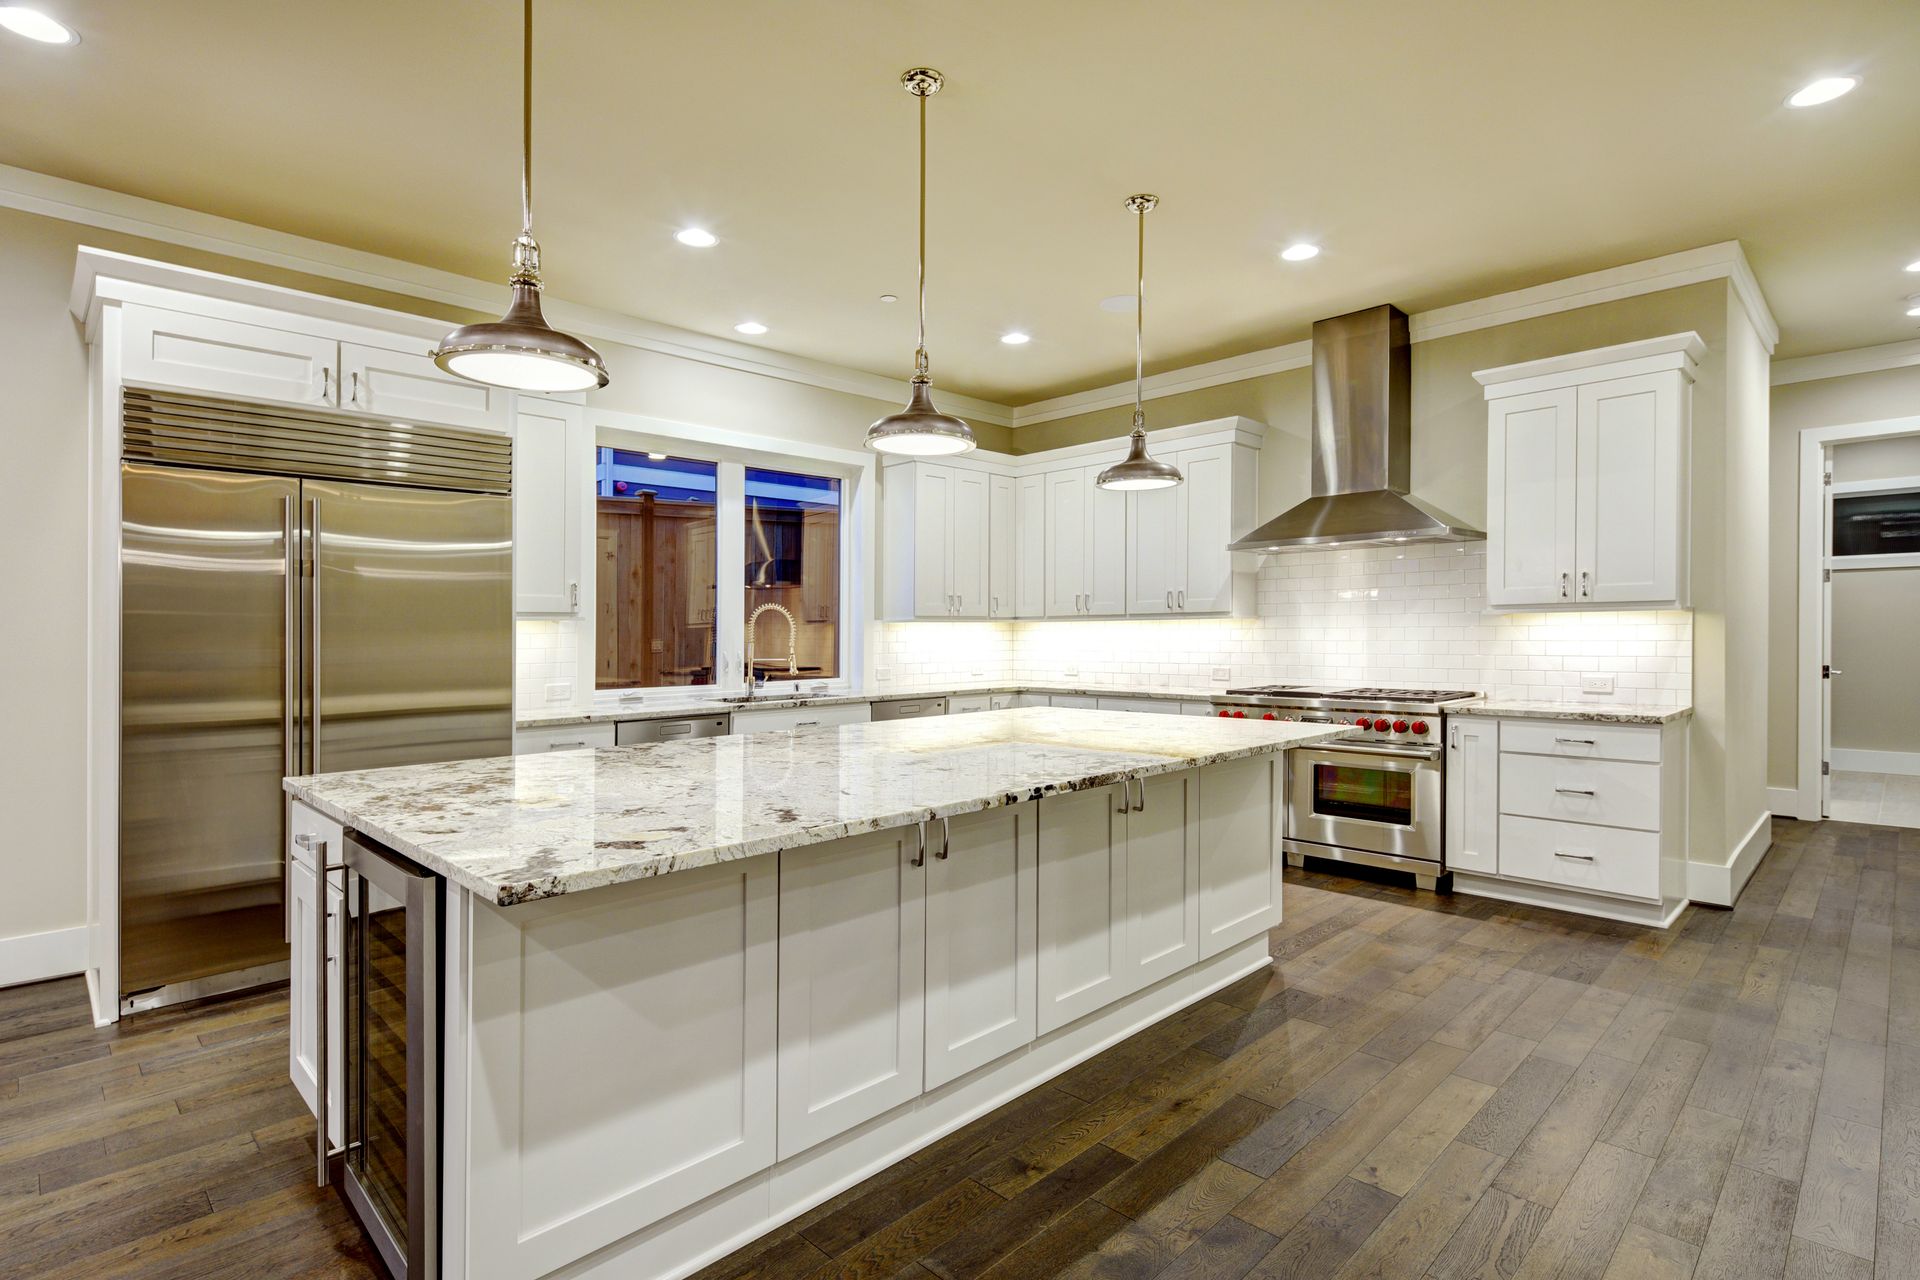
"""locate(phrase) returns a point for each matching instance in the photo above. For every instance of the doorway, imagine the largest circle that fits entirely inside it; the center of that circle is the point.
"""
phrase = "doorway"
(1859, 752)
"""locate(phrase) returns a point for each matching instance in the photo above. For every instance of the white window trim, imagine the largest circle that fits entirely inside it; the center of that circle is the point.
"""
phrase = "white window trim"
(735, 451)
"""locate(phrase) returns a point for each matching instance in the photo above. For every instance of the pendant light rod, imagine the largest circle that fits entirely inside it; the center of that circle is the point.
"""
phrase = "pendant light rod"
(526, 120)
(922, 83)
(1140, 205)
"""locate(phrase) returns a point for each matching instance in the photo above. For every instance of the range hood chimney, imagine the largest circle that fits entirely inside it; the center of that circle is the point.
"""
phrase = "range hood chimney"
(1362, 442)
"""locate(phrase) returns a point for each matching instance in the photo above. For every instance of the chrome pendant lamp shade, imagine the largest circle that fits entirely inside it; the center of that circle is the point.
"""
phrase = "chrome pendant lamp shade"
(521, 351)
(920, 428)
(1137, 470)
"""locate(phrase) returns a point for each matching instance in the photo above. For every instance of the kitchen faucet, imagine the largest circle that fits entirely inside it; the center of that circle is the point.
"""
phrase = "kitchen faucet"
(793, 640)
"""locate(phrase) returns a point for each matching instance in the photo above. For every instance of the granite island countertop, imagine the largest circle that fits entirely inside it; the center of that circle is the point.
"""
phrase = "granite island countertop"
(516, 829)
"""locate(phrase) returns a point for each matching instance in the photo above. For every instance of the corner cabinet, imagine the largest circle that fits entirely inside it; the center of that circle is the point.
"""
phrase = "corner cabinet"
(935, 558)
(1177, 558)
(552, 487)
(1587, 477)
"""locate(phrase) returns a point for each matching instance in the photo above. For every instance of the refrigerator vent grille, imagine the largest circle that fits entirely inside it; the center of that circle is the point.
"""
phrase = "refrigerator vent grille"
(234, 435)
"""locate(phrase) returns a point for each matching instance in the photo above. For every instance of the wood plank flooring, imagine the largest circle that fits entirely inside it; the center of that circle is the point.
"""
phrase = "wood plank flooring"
(1424, 1087)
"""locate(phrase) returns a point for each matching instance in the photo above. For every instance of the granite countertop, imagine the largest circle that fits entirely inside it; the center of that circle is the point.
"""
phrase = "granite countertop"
(674, 711)
(516, 829)
(1591, 712)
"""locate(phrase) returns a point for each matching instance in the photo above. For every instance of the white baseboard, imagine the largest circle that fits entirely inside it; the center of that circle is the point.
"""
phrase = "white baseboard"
(32, 957)
(1855, 760)
(1785, 802)
(1719, 883)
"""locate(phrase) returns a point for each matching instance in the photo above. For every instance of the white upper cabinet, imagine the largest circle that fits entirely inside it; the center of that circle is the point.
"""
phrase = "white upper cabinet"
(1086, 532)
(1030, 547)
(1177, 557)
(1003, 542)
(229, 357)
(1586, 476)
(936, 554)
(551, 490)
(408, 384)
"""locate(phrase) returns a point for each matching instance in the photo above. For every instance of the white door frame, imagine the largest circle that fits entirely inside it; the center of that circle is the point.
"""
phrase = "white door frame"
(1814, 444)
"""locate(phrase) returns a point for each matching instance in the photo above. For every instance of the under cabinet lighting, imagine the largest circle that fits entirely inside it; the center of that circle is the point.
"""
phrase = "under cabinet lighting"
(1825, 89)
(35, 25)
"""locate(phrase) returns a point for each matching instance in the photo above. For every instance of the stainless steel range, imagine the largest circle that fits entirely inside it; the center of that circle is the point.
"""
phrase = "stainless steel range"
(1374, 798)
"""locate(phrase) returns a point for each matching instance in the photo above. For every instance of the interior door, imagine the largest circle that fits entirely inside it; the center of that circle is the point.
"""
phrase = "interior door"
(1827, 671)
(204, 722)
(410, 629)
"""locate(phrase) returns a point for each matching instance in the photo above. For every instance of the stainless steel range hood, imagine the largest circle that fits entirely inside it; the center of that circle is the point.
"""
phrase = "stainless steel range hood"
(1362, 440)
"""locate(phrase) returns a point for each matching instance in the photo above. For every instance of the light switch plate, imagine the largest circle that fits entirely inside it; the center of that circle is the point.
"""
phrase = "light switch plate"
(559, 690)
(1596, 684)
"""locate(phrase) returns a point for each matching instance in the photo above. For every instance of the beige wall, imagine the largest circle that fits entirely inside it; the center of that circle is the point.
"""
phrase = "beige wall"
(1876, 615)
(1729, 495)
(43, 507)
(1827, 402)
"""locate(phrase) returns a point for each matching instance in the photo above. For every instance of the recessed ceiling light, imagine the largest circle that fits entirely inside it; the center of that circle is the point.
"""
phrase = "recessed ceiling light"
(1913, 305)
(1016, 338)
(1121, 304)
(35, 25)
(1825, 89)
(889, 297)
(1300, 252)
(753, 327)
(696, 237)
(1914, 265)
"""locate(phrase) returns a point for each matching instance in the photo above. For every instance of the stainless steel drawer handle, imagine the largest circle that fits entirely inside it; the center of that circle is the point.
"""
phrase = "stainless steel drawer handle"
(1577, 742)
(806, 724)
(566, 746)
(1572, 791)
(675, 730)
(1573, 857)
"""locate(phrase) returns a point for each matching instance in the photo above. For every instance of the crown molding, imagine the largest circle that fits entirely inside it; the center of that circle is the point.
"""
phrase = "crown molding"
(1724, 261)
(1840, 364)
(91, 206)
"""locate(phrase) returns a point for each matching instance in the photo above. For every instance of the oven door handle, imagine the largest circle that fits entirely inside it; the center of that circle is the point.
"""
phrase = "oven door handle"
(1397, 753)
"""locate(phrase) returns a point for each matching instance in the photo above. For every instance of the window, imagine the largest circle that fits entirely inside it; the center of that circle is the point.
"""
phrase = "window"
(656, 570)
(792, 575)
(1885, 523)
(700, 560)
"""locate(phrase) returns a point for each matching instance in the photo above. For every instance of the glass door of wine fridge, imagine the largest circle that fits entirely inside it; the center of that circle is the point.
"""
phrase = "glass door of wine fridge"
(389, 1170)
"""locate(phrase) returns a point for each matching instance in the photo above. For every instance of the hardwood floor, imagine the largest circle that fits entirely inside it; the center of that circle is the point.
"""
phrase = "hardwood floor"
(1423, 1087)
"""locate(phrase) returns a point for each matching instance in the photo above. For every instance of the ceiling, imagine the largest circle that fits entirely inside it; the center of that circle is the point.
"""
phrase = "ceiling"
(1438, 152)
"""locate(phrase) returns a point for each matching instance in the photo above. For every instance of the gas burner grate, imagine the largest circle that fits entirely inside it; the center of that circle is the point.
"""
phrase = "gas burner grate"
(1402, 695)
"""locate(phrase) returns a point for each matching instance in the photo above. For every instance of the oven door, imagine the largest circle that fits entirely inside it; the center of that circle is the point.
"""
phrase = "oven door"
(1383, 800)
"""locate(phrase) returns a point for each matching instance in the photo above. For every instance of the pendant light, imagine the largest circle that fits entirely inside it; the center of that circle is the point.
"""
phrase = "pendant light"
(1137, 470)
(521, 351)
(920, 428)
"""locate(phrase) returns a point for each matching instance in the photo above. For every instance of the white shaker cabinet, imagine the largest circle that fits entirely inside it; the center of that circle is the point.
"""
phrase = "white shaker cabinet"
(1083, 964)
(1473, 795)
(937, 559)
(852, 956)
(312, 840)
(1587, 474)
(1163, 877)
(552, 487)
(408, 384)
(1240, 802)
(1086, 534)
(1177, 557)
(1030, 547)
(229, 357)
(1003, 547)
(981, 939)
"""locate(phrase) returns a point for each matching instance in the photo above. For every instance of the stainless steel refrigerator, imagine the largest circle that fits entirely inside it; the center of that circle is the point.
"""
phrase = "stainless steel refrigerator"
(301, 592)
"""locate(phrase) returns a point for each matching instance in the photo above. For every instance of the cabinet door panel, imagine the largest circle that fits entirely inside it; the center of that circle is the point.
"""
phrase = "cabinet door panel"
(228, 357)
(1206, 570)
(1155, 556)
(1030, 547)
(932, 524)
(981, 941)
(550, 461)
(303, 1025)
(408, 384)
(1066, 543)
(1240, 858)
(852, 956)
(1106, 548)
(1629, 487)
(1163, 878)
(1082, 905)
(1473, 796)
(967, 544)
(1003, 522)
(1531, 499)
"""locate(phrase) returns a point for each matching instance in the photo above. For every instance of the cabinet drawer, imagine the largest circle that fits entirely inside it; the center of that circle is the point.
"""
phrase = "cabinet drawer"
(1580, 740)
(571, 737)
(317, 828)
(1612, 793)
(1578, 856)
(961, 705)
(800, 717)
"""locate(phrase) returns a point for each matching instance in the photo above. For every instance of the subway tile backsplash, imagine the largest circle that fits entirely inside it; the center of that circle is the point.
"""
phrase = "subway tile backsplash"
(1411, 615)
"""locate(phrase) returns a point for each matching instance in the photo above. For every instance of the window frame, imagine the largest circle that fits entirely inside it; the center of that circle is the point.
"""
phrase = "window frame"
(733, 452)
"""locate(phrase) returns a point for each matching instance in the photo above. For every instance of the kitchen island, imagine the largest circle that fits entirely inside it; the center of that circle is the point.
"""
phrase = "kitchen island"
(689, 990)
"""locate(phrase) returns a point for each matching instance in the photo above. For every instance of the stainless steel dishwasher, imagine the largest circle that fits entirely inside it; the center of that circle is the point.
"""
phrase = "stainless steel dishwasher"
(908, 708)
(632, 732)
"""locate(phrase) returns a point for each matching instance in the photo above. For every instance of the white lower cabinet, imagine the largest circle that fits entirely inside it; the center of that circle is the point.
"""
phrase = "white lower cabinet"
(1083, 904)
(322, 843)
(565, 737)
(981, 939)
(1473, 795)
(852, 981)
(758, 719)
(1241, 803)
(963, 703)
(1163, 877)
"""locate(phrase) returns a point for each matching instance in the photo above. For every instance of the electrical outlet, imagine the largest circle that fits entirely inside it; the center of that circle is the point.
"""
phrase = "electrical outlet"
(979, 672)
(882, 674)
(1596, 684)
(559, 690)
(1070, 671)
(1222, 675)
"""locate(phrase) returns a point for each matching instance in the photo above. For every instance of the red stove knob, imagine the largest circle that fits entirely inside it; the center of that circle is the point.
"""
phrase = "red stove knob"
(1419, 726)
(1363, 723)
(1382, 725)
(1399, 726)
(1267, 716)
(1225, 714)
(1239, 715)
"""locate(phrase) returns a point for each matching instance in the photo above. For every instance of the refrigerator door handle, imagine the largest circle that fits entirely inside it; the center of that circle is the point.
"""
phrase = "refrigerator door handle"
(290, 630)
(313, 633)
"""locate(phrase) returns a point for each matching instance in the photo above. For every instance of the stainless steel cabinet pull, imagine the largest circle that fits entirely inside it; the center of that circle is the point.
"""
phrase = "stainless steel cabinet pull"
(1583, 584)
(1573, 857)
(326, 385)
(920, 858)
(1572, 791)
(1126, 796)
(806, 724)
(1182, 597)
(946, 839)
(354, 396)
(1140, 805)
(1563, 586)
(1577, 742)
(1169, 599)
